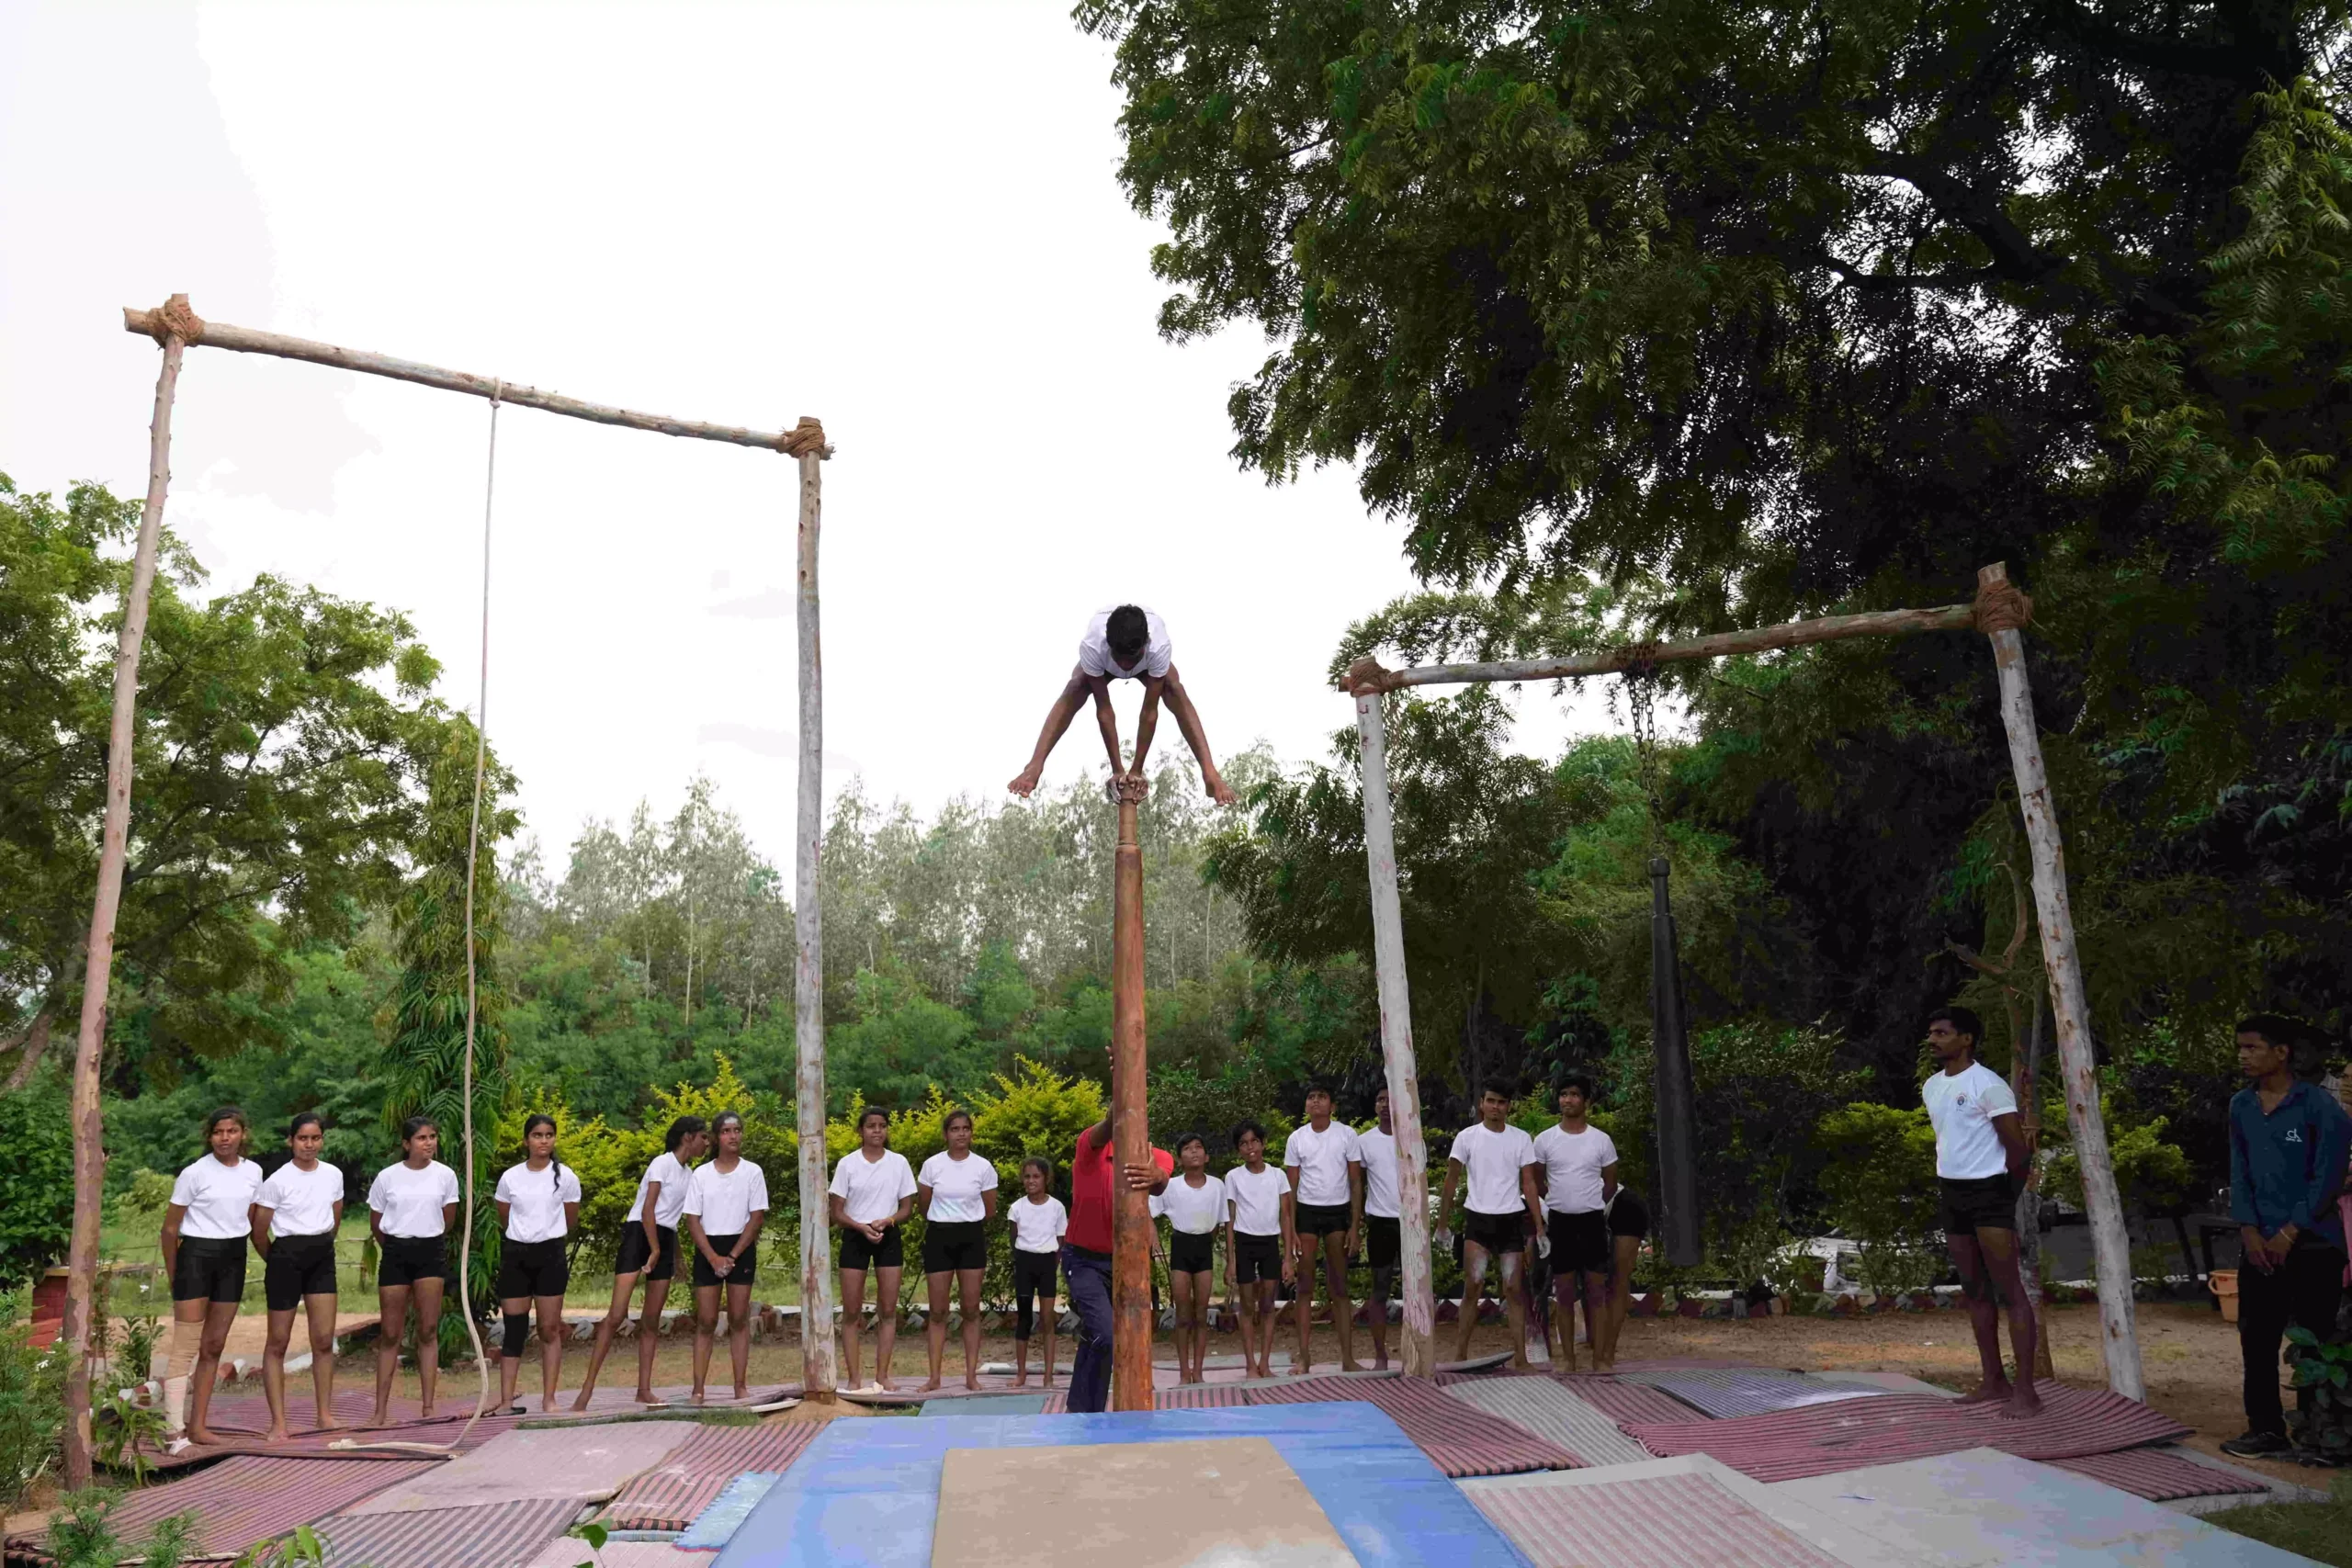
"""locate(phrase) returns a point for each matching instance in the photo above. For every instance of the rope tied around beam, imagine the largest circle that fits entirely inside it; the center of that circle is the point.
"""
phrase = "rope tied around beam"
(803, 438)
(2003, 606)
(1365, 675)
(174, 319)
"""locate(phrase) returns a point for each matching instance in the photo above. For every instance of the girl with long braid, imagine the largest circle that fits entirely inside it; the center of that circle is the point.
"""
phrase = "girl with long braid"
(539, 1205)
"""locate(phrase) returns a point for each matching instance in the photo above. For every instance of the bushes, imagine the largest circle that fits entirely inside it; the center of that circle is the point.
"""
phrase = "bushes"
(36, 1179)
(32, 1402)
(1884, 1193)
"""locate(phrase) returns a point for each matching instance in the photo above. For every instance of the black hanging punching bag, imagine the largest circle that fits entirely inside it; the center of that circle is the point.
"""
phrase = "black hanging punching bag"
(1677, 1180)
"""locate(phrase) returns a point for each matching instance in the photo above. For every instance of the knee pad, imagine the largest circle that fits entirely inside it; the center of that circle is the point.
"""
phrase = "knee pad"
(186, 1344)
(518, 1329)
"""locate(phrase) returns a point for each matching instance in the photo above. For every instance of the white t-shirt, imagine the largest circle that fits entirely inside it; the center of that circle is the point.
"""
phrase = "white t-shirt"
(301, 1202)
(1257, 1197)
(1196, 1211)
(725, 1201)
(871, 1190)
(1094, 648)
(1961, 1106)
(1321, 1160)
(411, 1201)
(675, 1175)
(1493, 1161)
(1572, 1164)
(218, 1198)
(1038, 1227)
(955, 1188)
(1379, 1152)
(534, 1200)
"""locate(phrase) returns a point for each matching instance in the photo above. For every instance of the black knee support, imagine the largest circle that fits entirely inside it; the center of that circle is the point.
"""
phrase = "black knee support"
(519, 1328)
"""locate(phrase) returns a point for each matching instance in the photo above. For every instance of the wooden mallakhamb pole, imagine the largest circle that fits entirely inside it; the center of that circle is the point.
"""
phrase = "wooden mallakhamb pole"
(1130, 1123)
(818, 1377)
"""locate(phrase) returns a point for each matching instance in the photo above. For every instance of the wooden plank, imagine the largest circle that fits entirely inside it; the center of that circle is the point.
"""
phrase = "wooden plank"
(818, 1373)
(1131, 1317)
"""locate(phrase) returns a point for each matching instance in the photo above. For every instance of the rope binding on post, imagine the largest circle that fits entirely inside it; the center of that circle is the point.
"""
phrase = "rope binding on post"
(2003, 606)
(175, 319)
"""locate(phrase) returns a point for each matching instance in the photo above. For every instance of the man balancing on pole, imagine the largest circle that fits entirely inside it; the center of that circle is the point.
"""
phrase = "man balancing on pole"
(1981, 1158)
(1128, 643)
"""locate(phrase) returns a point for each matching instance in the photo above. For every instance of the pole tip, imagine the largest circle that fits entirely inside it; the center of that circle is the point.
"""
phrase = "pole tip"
(1659, 867)
(1997, 572)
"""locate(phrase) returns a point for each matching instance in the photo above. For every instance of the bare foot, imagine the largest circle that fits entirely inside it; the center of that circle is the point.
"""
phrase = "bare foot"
(2023, 1405)
(202, 1436)
(326, 1424)
(1519, 1363)
(647, 1396)
(1990, 1391)
(1380, 1361)
(580, 1404)
(697, 1398)
(1023, 781)
(930, 1386)
(742, 1394)
(424, 1412)
(972, 1380)
(1221, 792)
(546, 1406)
(1351, 1366)
(275, 1435)
(377, 1421)
(1021, 1382)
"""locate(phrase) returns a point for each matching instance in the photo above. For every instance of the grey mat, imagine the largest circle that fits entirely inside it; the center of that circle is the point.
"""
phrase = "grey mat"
(988, 1404)
(1541, 1406)
(1724, 1393)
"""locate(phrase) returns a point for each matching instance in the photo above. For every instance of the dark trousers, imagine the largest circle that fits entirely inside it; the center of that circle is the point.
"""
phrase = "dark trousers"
(1090, 1297)
(2302, 1291)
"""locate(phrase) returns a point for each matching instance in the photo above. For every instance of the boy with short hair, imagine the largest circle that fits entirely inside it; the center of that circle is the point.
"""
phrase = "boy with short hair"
(1125, 643)
(1578, 1180)
(1324, 1163)
(1495, 1163)
(1980, 1161)
(1383, 1220)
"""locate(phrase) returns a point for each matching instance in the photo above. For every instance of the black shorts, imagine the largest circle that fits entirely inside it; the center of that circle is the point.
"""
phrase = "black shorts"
(1321, 1219)
(407, 1258)
(637, 1256)
(533, 1269)
(1384, 1240)
(1579, 1242)
(747, 1267)
(297, 1266)
(1983, 1202)
(1497, 1234)
(210, 1269)
(858, 1254)
(1191, 1254)
(1629, 1216)
(952, 1245)
(1256, 1257)
(1036, 1272)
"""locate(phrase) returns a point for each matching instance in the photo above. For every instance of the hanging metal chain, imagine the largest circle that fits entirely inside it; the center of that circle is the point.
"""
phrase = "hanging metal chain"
(1641, 704)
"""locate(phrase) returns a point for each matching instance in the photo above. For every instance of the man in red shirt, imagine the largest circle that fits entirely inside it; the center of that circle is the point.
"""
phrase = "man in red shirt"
(1086, 1256)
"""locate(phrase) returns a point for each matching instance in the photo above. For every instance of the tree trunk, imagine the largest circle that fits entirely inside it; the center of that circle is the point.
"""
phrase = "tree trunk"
(34, 1045)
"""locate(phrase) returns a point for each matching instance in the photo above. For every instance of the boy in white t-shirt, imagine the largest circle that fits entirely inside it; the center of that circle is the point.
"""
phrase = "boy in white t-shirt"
(1578, 1178)
(1980, 1159)
(1324, 1164)
(1125, 643)
(1495, 1163)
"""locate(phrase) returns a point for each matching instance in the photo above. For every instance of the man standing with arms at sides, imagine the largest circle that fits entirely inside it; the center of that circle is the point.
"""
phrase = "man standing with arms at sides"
(1579, 1180)
(1085, 1255)
(1499, 1162)
(2288, 1147)
(1383, 1246)
(1325, 1164)
(1129, 643)
(1980, 1159)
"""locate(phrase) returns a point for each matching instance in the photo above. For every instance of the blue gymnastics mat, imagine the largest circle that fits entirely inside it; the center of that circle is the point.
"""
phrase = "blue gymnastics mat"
(866, 1493)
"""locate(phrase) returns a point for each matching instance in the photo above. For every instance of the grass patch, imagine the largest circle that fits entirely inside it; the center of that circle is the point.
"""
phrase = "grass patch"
(2321, 1531)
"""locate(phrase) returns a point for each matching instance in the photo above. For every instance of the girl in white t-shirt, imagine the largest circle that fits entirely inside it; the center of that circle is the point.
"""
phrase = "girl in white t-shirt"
(1195, 1206)
(957, 1192)
(296, 1215)
(538, 1208)
(873, 1191)
(726, 1209)
(1039, 1221)
(411, 1206)
(649, 1246)
(207, 1229)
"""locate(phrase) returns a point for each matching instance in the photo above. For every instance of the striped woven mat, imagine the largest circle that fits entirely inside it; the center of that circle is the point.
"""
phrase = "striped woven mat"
(2158, 1475)
(245, 1500)
(670, 1496)
(1459, 1440)
(500, 1535)
(1629, 1402)
(1692, 1522)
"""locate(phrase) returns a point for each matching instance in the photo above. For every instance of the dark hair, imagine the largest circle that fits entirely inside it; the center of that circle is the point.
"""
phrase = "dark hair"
(1322, 1087)
(1245, 1129)
(532, 1124)
(958, 1114)
(2276, 1029)
(719, 1122)
(304, 1119)
(413, 1126)
(225, 1113)
(1041, 1164)
(684, 1127)
(1963, 1020)
(1127, 631)
(1184, 1138)
(870, 1111)
(1499, 1087)
(1580, 1082)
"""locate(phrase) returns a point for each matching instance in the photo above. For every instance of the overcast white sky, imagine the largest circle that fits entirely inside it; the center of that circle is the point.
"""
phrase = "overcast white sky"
(901, 218)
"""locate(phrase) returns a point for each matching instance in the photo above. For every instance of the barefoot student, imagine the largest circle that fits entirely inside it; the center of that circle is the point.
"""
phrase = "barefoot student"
(1629, 1226)
(1257, 1201)
(1324, 1161)
(1578, 1178)
(1494, 1164)
(1979, 1159)
(410, 1207)
(1195, 1206)
(1382, 1221)
(1126, 643)
(727, 1204)
(1039, 1223)
(649, 1246)
(957, 1191)
(872, 1193)
(207, 1229)
(538, 1204)
(296, 1215)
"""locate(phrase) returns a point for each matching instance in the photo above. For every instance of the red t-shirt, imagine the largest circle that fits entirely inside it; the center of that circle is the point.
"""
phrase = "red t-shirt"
(1091, 1192)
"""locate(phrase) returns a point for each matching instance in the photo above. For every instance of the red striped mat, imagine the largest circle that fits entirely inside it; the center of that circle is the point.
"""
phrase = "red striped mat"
(1820, 1440)
(1692, 1522)
(241, 1427)
(247, 1499)
(2158, 1477)
(1628, 1404)
(500, 1535)
(1201, 1396)
(1459, 1439)
(668, 1496)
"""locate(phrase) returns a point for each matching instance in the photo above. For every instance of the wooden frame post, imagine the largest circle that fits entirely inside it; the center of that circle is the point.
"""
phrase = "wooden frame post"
(82, 1305)
(1130, 1119)
(1418, 1341)
(2110, 1241)
(818, 1376)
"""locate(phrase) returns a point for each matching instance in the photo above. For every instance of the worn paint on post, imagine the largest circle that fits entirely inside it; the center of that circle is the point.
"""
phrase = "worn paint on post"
(817, 1369)
(1130, 1121)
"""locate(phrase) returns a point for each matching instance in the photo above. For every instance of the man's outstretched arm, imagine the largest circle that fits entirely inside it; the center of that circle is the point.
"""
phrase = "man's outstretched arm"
(1057, 720)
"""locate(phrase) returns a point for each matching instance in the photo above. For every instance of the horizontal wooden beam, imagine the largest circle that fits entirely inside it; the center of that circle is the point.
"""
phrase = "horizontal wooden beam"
(1367, 675)
(808, 435)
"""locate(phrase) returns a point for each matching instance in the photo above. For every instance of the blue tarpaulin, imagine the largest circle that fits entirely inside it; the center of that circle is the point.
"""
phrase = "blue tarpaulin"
(866, 1493)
